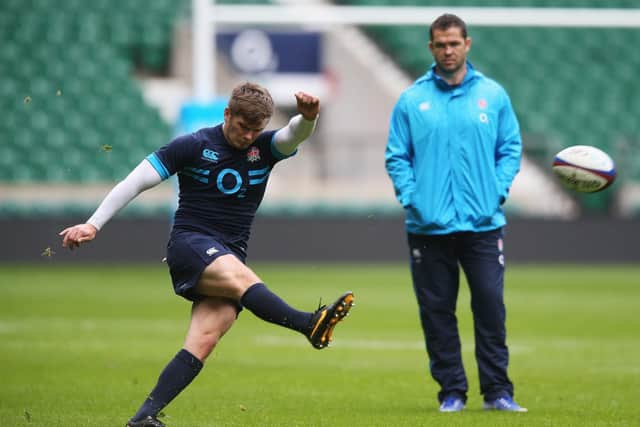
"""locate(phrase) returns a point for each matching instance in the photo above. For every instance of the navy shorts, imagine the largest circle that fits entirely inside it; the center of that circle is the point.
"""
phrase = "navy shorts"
(189, 253)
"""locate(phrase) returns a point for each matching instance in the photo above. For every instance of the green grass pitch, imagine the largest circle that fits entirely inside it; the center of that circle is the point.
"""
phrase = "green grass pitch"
(81, 346)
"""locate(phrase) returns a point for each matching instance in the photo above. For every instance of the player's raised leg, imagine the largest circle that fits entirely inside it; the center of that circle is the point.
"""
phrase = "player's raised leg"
(227, 276)
(211, 318)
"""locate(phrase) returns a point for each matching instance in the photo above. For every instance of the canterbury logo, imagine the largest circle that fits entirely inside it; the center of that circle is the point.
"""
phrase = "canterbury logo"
(210, 155)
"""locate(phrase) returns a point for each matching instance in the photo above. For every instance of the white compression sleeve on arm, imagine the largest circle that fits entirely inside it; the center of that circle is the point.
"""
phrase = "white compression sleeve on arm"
(143, 177)
(289, 137)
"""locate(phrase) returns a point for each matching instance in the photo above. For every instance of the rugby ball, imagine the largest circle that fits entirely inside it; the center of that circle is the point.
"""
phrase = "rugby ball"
(584, 168)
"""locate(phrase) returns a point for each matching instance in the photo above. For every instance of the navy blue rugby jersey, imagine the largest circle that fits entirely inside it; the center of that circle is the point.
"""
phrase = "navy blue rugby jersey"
(220, 187)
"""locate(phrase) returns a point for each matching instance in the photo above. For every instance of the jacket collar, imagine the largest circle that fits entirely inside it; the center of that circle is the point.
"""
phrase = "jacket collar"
(431, 75)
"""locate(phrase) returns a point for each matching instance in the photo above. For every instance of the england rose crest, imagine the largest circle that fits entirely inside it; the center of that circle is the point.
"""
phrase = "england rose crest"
(253, 155)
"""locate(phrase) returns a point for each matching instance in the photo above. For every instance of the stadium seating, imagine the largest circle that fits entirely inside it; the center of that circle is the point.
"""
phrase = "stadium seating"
(73, 112)
(70, 106)
(568, 85)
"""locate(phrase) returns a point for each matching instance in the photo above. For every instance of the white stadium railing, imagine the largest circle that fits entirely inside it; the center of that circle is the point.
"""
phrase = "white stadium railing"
(207, 14)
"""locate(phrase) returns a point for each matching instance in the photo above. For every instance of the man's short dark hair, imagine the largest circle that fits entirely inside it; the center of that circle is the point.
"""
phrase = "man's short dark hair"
(446, 21)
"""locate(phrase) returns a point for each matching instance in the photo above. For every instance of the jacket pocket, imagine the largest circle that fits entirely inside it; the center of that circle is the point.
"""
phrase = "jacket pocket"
(426, 215)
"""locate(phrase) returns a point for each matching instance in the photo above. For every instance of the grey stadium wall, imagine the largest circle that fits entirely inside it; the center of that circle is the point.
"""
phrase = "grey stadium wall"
(321, 239)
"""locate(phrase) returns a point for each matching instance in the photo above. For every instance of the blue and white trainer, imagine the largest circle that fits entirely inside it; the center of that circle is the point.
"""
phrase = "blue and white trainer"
(452, 404)
(505, 403)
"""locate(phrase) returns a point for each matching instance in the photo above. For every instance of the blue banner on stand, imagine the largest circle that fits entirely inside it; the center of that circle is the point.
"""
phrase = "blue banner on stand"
(283, 61)
(196, 115)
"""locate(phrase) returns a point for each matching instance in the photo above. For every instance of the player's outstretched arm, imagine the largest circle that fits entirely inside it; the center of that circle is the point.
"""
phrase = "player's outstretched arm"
(301, 126)
(143, 177)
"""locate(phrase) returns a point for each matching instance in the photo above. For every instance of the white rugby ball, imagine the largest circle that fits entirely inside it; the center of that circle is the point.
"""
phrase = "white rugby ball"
(584, 168)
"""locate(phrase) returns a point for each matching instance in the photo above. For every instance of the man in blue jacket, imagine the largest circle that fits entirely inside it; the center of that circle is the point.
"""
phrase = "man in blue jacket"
(454, 149)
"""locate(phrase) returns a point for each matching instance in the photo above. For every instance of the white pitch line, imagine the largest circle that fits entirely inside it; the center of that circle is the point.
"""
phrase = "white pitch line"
(373, 344)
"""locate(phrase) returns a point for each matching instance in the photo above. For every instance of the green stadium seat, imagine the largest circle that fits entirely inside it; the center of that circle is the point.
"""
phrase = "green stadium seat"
(74, 47)
(14, 6)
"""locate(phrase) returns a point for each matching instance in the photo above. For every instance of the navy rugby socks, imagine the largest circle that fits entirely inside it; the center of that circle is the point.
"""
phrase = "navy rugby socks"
(174, 378)
(270, 307)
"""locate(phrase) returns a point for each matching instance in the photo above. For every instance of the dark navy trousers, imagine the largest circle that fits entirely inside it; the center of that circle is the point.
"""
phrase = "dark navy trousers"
(435, 269)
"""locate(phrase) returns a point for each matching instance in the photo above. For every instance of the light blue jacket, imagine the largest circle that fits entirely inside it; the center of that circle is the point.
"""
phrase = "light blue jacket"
(452, 153)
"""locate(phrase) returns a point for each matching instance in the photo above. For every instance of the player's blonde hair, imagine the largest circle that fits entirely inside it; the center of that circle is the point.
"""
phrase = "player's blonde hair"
(252, 102)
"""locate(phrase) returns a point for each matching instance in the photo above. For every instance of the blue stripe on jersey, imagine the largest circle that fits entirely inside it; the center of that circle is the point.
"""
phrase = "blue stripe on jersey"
(258, 180)
(257, 172)
(158, 165)
(254, 172)
(195, 176)
(199, 171)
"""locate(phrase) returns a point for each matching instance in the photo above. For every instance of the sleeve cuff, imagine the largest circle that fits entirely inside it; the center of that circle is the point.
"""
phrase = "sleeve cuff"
(158, 166)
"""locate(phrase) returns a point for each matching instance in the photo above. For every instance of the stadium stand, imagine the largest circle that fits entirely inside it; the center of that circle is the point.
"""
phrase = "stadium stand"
(72, 111)
(569, 85)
